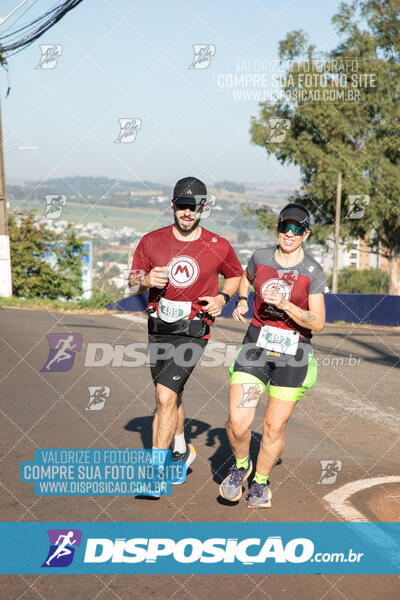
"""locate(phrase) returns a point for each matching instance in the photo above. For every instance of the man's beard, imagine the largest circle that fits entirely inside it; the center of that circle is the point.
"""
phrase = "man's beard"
(194, 226)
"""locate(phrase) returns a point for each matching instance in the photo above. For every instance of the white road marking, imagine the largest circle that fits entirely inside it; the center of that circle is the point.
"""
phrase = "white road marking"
(338, 499)
(133, 318)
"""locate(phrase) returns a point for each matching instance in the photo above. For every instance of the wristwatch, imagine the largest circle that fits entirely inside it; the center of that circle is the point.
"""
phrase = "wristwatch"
(226, 296)
(239, 298)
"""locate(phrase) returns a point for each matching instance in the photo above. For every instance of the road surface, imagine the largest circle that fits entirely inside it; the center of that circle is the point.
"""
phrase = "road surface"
(350, 417)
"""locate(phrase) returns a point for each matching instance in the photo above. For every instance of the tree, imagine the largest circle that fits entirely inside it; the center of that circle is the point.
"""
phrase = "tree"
(344, 115)
(362, 281)
(43, 265)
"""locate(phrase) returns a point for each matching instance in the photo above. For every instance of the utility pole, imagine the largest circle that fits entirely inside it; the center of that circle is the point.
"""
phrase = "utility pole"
(337, 233)
(5, 260)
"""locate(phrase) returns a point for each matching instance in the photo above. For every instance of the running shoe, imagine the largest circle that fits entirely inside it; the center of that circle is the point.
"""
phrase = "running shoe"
(187, 457)
(259, 496)
(231, 487)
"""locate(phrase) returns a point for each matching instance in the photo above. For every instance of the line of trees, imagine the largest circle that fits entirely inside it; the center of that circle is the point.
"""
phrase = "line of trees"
(344, 124)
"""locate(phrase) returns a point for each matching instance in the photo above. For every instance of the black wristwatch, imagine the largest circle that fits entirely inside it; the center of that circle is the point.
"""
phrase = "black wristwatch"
(239, 298)
(226, 296)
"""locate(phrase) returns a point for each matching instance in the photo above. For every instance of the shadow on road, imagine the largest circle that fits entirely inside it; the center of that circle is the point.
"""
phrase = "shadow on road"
(143, 426)
(222, 458)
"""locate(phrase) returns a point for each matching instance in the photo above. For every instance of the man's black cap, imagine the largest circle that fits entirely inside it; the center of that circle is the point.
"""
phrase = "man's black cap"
(190, 190)
(295, 212)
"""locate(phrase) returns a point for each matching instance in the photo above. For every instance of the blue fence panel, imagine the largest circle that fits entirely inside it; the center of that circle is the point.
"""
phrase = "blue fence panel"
(374, 309)
(136, 303)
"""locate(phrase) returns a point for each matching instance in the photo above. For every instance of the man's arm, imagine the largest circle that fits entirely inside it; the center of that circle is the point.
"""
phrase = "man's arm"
(228, 268)
(140, 282)
(231, 286)
(216, 303)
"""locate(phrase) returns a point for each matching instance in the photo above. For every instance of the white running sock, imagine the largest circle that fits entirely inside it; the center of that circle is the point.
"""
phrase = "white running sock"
(178, 443)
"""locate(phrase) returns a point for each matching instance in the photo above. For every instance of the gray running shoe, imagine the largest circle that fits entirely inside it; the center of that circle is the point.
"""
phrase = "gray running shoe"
(187, 457)
(231, 487)
(259, 496)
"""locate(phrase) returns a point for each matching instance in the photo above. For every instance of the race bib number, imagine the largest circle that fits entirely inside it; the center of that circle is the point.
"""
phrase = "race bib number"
(279, 340)
(171, 310)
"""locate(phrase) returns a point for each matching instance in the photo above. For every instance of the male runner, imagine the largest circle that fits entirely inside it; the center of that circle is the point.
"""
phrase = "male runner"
(180, 265)
(289, 303)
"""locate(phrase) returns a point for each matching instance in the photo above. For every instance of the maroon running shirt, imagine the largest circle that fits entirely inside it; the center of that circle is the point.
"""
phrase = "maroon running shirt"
(296, 283)
(193, 266)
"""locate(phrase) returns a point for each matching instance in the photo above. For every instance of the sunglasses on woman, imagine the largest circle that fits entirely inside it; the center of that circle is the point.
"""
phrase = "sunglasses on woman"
(295, 229)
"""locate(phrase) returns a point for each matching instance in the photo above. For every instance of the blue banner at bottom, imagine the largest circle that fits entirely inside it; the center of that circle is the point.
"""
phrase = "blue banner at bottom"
(201, 548)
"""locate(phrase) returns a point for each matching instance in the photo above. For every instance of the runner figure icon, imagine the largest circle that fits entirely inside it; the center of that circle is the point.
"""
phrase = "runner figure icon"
(62, 346)
(97, 397)
(62, 549)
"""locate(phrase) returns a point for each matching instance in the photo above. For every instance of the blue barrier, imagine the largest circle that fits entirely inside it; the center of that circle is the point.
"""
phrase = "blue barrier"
(374, 309)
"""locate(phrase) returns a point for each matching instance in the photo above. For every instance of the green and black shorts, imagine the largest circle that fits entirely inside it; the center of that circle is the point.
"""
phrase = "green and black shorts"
(288, 376)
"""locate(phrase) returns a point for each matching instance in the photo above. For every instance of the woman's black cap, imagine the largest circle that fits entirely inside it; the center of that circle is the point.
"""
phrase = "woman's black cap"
(295, 212)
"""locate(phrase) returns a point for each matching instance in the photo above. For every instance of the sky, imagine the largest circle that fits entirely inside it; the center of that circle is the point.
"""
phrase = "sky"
(130, 59)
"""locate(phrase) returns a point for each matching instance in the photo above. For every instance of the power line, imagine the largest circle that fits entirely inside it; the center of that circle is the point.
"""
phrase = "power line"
(15, 41)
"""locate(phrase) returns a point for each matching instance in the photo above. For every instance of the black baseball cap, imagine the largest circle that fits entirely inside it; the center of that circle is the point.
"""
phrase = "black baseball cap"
(190, 190)
(295, 212)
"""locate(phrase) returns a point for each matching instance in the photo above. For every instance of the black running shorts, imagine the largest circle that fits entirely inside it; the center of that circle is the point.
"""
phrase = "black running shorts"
(173, 358)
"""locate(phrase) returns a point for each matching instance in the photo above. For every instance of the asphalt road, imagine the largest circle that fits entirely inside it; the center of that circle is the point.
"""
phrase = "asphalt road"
(351, 416)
